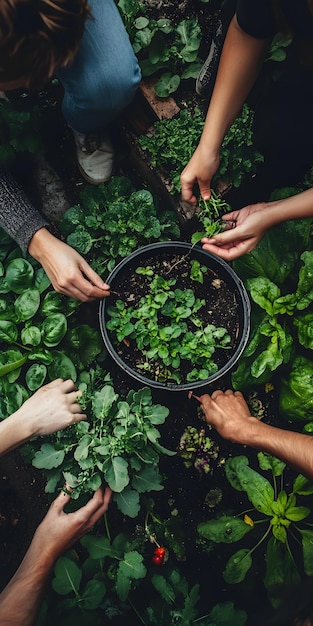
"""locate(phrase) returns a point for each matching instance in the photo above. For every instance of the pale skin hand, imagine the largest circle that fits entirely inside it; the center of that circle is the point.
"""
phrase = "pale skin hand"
(250, 226)
(68, 271)
(229, 413)
(57, 532)
(253, 221)
(51, 408)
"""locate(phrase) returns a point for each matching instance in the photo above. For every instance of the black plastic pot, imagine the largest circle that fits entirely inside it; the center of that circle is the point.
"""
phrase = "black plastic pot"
(220, 268)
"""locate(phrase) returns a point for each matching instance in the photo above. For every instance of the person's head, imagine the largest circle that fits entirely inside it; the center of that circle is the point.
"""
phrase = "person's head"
(36, 38)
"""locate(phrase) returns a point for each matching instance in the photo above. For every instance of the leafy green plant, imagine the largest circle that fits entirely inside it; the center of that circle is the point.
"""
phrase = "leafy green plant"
(37, 343)
(173, 142)
(273, 340)
(275, 509)
(158, 326)
(112, 220)
(164, 47)
(295, 397)
(118, 445)
(209, 213)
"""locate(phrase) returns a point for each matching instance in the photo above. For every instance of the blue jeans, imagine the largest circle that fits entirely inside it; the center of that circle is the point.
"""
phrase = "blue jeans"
(105, 74)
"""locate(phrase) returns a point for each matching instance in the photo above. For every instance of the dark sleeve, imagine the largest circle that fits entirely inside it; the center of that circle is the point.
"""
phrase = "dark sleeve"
(255, 17)
(18, 217)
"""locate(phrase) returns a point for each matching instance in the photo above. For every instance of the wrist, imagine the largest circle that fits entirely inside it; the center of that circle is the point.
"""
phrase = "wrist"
(39, 242)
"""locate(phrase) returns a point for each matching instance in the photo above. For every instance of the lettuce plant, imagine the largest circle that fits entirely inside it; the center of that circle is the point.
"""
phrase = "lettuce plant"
(166, 48)
(272, 342)
(38, 344)
(159, 328)
(114, 219)
(119, 445)
(277, 513)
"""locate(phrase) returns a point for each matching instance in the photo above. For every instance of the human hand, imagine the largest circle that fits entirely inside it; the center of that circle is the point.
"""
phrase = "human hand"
(68, 271)
(228, 412)
(52, 407)
(59, 530)
(250, 225)
(200, 169)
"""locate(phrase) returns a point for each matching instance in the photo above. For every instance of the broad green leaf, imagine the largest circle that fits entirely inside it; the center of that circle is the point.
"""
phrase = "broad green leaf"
(117, 474)
(281, 571)
(237, 566)
(31, 336)
(131, 567)
(99, 547)
(61, 366)
(8, 331)
(307, 545)
(128, 502)
(67, 576)
(35, 376)
(269, 462)
(93, 594)
(156, 413)
(19, 275)
(53, 329)
(48, 457)
(302, 485)
(258, 489)
(148, 479)
(27, 304)
(103, 400)
(226, 529)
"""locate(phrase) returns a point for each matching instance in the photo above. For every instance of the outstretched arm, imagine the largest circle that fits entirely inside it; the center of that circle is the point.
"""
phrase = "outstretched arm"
(240, 63)
(53, 407)
(229, 413)
(21, 599)
(253, 221)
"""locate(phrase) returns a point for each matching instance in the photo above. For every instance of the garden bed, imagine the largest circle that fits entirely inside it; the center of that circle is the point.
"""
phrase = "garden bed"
(195, 487)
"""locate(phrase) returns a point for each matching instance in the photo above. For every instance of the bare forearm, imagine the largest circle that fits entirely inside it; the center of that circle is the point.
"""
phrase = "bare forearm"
(240, 63)
(21, 598)
(14, 431)
(294, 207)
(295, 449)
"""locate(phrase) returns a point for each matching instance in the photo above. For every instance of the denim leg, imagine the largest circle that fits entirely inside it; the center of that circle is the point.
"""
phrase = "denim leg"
(105, 74)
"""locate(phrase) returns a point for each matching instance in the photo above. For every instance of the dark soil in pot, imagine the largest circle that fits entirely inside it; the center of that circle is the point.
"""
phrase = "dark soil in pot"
(223, 306)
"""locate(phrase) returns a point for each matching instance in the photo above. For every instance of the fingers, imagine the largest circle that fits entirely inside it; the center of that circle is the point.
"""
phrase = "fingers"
(61, 501)
(233, 251)
(218, 393)
(94, 277)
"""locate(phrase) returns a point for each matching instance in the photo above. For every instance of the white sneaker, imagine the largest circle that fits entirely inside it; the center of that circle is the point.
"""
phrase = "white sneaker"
(95, 156)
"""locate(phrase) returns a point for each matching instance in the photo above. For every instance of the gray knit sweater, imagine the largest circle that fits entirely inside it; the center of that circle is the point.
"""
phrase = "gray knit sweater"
(18, 217)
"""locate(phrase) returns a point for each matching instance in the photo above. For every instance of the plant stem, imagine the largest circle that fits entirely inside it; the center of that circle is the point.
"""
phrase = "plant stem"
(106, 523)
(137, 613)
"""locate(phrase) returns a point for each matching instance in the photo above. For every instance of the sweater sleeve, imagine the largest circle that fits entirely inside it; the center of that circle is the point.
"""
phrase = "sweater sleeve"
(18, 217)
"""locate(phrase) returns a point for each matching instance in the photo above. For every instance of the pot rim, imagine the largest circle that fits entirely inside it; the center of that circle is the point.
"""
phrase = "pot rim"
(244, 303)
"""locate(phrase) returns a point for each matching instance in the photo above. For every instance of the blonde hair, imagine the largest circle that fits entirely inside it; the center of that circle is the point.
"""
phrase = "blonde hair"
(38, 36)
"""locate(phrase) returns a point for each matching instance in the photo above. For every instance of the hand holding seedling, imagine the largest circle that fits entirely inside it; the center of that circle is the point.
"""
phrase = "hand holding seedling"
(200, 169)
(250, 225)
(51, 408)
